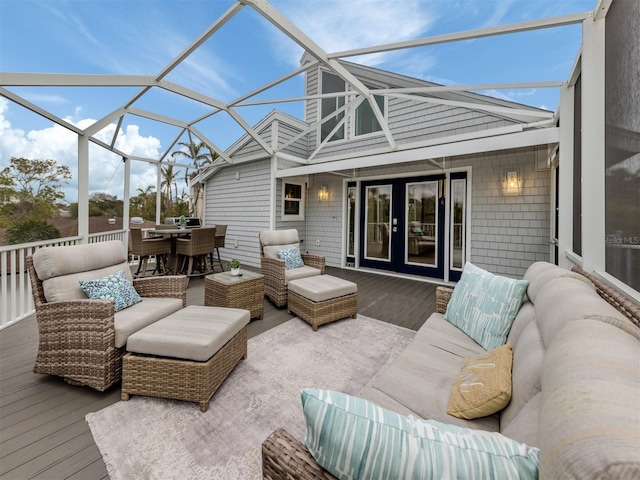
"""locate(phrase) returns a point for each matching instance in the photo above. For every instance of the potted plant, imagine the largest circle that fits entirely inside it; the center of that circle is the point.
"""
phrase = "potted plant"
(182, 222)
(234, 265)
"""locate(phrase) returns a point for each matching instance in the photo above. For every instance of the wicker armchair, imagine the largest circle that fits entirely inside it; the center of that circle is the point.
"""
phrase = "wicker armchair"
(276, 277)
(77, 336)
(197, 250)
(144, 248)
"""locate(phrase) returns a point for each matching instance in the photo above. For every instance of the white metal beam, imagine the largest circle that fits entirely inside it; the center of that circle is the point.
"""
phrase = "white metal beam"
(74, 80)
(469, 88)
(468, 35)
(204, 36)
(479, 106)
(35, 109)
(298, 36)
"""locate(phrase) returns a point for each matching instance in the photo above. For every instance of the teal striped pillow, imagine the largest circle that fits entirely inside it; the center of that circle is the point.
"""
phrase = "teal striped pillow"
(484, 305)
(351, 437)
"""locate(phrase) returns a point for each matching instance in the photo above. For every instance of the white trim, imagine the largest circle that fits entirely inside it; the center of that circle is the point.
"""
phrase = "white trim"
(468, 35)
(593, 146)
(633, 293)
(502, 142)
(301, 201)
(565, 194)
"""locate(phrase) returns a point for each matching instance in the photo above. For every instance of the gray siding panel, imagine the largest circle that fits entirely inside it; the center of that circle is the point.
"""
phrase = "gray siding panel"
(241, 204)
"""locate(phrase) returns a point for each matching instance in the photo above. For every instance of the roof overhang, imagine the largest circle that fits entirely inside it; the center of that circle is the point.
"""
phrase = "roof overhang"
(447, 148)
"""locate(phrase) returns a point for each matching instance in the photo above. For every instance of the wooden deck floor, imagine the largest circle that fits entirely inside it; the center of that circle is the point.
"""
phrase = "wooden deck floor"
(43, 432)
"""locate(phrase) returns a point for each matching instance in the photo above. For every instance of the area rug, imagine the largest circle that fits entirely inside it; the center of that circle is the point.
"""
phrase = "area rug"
(164, 439)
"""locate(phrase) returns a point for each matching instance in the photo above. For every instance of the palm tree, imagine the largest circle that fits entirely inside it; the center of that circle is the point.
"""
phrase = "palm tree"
(200, 156)
(168, 182)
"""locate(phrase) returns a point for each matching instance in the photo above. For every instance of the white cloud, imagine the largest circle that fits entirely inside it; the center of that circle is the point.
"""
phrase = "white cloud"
(339, 25)
(106, 170)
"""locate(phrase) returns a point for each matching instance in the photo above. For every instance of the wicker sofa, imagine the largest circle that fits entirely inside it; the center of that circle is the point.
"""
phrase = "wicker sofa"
(83, 340)
(575, 381)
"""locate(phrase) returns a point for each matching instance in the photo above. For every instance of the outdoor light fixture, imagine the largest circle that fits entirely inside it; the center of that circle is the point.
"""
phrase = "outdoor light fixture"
(323, 194)
(512, 182)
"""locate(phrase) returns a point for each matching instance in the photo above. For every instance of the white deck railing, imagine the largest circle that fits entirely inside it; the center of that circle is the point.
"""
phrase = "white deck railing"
(16, 301)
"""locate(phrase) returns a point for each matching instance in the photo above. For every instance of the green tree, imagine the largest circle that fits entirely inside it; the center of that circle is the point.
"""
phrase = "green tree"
(168, 185)
(200, 156)
(144, 203)
(30, 230)
(36, 186)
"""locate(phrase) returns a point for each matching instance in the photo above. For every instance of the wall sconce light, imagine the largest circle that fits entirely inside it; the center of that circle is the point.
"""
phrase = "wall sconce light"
(323, 194)
(512, 182)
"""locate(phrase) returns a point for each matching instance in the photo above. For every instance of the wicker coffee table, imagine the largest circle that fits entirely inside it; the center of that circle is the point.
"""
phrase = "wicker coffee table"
(226, 290)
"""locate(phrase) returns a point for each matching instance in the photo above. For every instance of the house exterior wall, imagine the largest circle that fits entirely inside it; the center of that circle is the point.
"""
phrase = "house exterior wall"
(243, 205)
(409, 121)
(508, 233)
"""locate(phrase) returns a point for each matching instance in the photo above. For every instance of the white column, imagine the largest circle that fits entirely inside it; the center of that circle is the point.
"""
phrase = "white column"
(593, 146)
(83, 188)
(127, 196)
(158, 186)
(565, 192)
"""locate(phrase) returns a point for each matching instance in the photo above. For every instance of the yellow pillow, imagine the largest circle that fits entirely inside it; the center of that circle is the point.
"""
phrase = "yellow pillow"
(484, 385)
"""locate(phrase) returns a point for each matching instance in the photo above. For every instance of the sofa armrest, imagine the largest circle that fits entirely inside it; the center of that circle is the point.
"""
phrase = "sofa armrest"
(315, 261)
(77, 341)
(284, 457)
(443, 295)
(171, 286)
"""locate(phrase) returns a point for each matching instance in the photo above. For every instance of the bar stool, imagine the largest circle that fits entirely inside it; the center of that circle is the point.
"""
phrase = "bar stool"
(197, 250)
(144, 248)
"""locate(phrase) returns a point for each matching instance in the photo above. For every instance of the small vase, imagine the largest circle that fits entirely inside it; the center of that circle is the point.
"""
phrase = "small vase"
(235, 271)
(182, 227)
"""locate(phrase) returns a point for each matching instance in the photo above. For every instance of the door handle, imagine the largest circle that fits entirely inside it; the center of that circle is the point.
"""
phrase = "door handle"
(395, 229)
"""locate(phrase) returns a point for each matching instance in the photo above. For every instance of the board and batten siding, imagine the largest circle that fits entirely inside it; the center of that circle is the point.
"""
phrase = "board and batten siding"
(243, 205)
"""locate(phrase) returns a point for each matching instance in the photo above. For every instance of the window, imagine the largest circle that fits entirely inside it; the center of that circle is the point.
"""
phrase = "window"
(365, 120)
(332, 84)
(293, 201)
(622, 138)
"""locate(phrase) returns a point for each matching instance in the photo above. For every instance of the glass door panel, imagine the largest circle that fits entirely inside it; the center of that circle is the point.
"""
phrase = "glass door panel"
(458, 200)
(422, 223)
(377, 214)
(351, 223)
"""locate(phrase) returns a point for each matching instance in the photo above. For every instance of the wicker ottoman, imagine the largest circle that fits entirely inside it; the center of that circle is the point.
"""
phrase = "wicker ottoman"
(185, 356)
(322, 299)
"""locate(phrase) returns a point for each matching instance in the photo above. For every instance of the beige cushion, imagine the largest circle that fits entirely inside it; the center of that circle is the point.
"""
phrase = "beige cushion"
(271, 251)
(57, 261)
(67, 287)
(193, 333)
(590, 409)
(418, 382)
(62, 268)
(302, 272)
(274, 240)
(322, 287)
(138, 316)
(483, 386)
(279, 237)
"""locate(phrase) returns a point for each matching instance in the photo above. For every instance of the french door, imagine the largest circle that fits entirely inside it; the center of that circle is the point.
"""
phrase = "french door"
(403, 226)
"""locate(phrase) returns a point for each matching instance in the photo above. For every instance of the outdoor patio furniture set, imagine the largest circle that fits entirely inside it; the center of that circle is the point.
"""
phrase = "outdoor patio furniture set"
(549, 391)
(99, 325)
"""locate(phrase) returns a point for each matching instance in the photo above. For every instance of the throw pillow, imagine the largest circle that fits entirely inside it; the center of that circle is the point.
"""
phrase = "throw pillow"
(484, 385)
(484, 305)
(351, 437)
(291, 257)
(116, 287)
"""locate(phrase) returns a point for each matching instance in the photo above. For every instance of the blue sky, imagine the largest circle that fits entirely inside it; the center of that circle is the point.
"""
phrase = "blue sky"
(140, 37)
